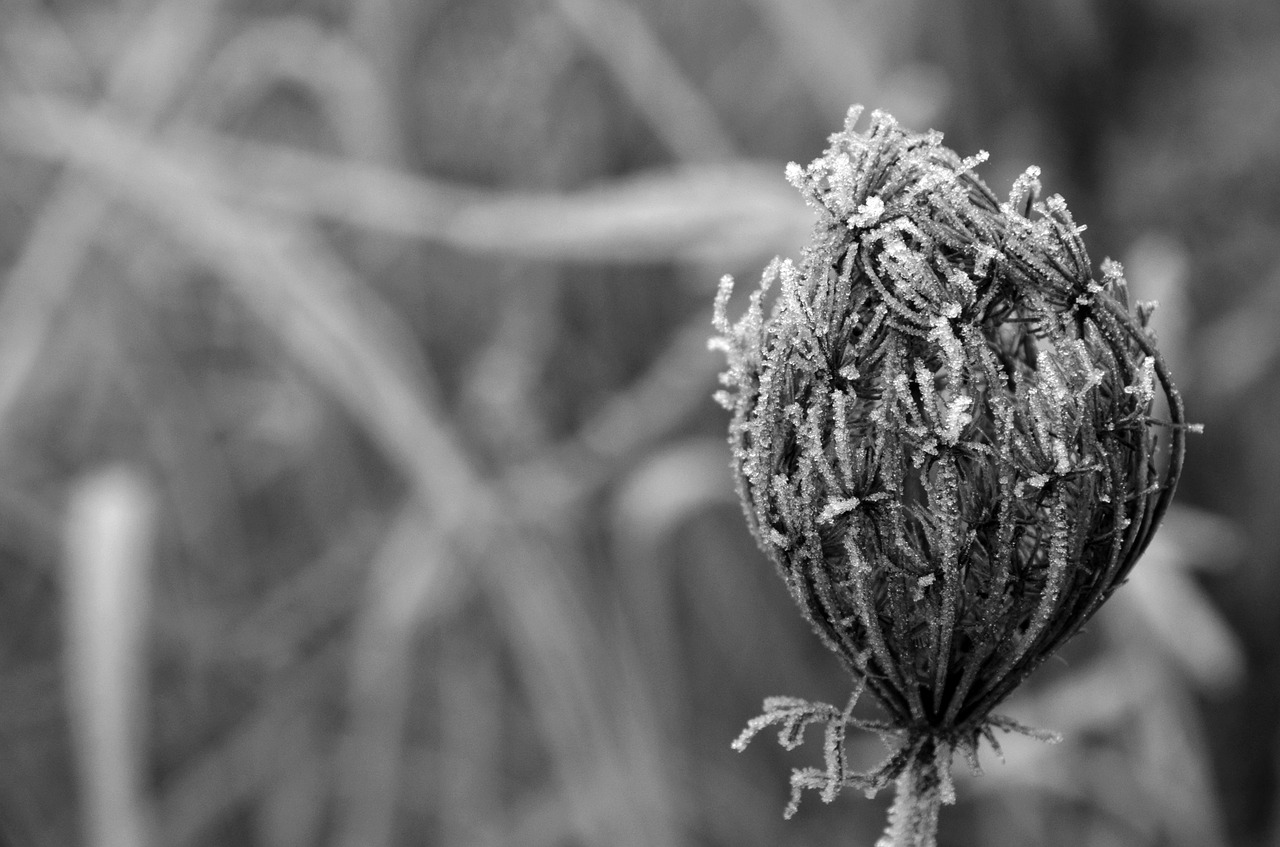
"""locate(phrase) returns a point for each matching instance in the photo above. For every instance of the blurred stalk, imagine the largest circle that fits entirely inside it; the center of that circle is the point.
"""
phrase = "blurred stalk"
(837, 62)
(842, 62)
(653, 216)
(660, 215)
(41, 280)
(472, 761)
(295, 50)
(378, 28)
(140, 83)
(288, 277)
(413, 575)
(265, 749)
(623, 41)
(109, 531)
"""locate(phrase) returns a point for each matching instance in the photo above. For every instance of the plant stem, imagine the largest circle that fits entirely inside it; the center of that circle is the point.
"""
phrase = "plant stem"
(913, 817)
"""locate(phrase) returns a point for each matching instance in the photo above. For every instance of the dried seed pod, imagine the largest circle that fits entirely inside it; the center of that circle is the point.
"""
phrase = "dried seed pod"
(953, 441)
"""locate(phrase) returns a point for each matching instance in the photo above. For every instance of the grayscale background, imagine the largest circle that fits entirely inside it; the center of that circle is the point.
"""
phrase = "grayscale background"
(360, 482)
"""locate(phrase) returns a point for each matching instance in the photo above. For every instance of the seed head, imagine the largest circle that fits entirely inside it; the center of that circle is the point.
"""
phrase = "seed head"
(952, 439)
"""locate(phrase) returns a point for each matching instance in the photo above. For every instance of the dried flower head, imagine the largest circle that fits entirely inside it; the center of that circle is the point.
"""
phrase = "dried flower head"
(952, 439)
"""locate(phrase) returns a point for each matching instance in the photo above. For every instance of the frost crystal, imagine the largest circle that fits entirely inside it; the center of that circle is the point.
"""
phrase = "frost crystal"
(946, 438)
(868, 213)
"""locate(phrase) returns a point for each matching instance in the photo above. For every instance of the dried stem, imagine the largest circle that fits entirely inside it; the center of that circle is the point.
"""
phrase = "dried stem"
(918, 798)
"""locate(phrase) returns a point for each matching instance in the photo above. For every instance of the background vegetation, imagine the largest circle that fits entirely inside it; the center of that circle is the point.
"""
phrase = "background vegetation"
(360, 479)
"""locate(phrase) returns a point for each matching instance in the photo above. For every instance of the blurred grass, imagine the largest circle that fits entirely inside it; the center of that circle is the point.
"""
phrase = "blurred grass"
(362, 485)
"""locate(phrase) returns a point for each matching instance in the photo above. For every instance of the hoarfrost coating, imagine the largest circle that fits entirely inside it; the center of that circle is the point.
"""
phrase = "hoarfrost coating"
(944, 435)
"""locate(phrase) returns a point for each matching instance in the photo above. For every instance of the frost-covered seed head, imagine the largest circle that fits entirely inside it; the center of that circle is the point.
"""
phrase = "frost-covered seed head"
(944, 428)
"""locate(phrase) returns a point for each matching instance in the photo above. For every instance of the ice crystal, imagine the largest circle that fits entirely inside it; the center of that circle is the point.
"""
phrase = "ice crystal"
(946, 437)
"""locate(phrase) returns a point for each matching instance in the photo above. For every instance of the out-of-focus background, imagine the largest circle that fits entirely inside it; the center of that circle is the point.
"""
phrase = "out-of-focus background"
(360, 482)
